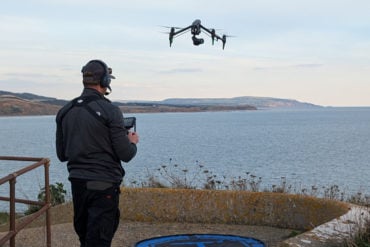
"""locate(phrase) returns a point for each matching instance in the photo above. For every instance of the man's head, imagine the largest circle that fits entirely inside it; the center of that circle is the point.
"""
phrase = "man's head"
(96, 72)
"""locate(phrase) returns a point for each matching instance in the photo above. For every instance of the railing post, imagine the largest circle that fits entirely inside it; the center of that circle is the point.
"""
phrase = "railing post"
(12, 179)
(47, 202)
(12, 209)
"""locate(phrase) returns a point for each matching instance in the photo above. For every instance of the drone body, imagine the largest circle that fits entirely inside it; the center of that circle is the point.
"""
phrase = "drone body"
(195, 29)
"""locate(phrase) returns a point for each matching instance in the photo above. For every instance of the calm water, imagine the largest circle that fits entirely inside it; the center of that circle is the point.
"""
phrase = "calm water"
(320, 147)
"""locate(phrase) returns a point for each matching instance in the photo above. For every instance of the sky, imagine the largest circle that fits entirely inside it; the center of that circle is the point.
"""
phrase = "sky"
(309, 50)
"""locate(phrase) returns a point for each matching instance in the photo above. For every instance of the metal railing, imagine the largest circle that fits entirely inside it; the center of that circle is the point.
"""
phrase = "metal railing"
(45, 206)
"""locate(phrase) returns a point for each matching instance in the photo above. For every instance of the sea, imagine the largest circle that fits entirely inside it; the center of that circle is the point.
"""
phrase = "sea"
(306, 149)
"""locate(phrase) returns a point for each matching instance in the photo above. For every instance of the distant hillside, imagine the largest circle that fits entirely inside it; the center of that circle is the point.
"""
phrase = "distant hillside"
(34, 98)
(259, 102)
(162, 107)
(13, 104)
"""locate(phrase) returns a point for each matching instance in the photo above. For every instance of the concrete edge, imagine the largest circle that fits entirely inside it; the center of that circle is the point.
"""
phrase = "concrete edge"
(333, 232)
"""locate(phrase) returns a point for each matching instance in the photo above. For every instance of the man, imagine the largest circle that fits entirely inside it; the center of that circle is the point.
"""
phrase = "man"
(91, 136)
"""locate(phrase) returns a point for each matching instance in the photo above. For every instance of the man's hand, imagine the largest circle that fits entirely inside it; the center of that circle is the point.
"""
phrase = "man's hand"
(133, 137)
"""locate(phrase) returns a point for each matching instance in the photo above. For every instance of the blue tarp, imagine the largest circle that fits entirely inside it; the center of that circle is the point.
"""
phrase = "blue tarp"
(201, 240)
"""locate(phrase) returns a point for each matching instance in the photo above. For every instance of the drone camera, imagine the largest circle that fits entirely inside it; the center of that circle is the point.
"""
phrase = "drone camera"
(197, 41)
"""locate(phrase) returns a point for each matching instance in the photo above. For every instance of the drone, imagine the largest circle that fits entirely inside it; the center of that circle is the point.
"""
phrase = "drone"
(195, 29)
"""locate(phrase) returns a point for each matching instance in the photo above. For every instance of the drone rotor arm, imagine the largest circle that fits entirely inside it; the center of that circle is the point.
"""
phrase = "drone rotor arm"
(181, 30)
(173, 34)
(181, 33)
(206, 29)
(218, 36)
(212, 33)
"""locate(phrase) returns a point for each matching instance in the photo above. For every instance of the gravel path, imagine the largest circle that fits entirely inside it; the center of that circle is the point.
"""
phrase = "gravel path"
(130, 233)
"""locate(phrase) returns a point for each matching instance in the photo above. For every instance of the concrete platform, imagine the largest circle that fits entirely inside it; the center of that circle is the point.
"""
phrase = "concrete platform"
(332, 233)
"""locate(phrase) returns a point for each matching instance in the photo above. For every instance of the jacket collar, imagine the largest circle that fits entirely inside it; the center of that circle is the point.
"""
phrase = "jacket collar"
(91, 91)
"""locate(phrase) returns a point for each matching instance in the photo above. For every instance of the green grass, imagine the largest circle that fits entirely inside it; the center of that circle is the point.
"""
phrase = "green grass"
(4, 217)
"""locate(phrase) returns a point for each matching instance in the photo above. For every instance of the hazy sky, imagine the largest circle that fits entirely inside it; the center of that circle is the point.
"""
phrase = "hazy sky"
(310, 50)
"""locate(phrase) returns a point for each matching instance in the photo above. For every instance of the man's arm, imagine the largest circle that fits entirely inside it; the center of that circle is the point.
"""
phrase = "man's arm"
(59, 140)
(123, 145)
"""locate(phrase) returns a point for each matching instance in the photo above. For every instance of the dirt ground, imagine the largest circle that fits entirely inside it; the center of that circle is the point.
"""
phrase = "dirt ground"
(130, 233)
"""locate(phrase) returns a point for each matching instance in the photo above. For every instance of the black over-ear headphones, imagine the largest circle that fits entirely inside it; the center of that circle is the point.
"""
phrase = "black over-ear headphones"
(106, 78)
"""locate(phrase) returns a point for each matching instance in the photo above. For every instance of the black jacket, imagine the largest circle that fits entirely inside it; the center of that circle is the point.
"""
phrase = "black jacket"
(94, 146)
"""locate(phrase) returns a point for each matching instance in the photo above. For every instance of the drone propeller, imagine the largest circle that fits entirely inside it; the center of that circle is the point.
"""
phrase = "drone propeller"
(229, 36)
(224, 39)
(171, 27)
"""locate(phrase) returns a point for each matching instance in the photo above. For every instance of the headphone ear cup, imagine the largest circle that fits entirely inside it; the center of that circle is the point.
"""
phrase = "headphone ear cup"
(105, 80)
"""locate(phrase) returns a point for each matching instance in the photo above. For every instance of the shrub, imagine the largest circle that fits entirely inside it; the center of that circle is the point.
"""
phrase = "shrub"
(57, 196)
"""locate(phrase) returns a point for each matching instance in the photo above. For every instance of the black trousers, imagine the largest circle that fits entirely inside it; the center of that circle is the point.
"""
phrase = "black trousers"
(96, 213)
